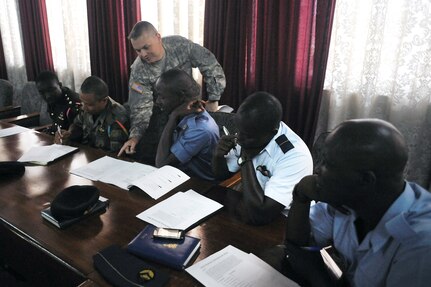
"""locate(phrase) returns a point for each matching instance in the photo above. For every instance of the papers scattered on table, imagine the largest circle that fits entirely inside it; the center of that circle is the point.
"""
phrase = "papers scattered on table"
(233, 267)
(43, 155)
(12, 131)
(155, 182)
(180, 211)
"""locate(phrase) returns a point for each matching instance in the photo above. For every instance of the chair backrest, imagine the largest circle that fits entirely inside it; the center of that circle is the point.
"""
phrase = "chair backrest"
(6, 93)
(317, 150)
(226, 120)
(32, 102)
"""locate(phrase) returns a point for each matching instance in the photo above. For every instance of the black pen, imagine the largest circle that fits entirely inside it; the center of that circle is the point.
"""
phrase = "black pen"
(226, 131)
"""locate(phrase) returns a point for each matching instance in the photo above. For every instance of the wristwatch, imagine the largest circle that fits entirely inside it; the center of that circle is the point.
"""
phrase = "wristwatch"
(241, 160)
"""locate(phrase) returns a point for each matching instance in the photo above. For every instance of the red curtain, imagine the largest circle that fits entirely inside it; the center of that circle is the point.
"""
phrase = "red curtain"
(277, 46)
(35, 34)
(3, 71)
(109, 23)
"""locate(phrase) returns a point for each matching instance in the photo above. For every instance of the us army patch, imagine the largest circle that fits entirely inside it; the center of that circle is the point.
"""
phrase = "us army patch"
(137, 87)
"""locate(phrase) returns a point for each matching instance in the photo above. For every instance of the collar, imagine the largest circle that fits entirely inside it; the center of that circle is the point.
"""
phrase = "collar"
(272, 147)
(190, 120)
(393, 223)
(102, 116)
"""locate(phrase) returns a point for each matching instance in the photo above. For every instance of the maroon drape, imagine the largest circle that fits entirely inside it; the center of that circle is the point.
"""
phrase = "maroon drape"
(35, 34)
(108, 25)
(3, 71)
(227, 24)
(132, 14)
(277, 46)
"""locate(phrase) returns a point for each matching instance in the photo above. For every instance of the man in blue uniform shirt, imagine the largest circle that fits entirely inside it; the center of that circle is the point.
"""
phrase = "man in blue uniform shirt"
(191, 134)
(379, 223)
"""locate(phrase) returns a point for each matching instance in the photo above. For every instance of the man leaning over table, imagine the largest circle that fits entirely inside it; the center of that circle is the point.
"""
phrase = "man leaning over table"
(155, 56)
(271, 157)
(102, 123)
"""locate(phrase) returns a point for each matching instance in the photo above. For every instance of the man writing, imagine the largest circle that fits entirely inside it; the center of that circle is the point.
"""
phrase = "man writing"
(103, 122)
(63, 103)
(191, 134)
(271, 157)
(156, 55)
(379, 223)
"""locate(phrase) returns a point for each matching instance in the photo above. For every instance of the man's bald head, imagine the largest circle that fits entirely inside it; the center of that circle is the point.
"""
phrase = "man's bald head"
(369, 144)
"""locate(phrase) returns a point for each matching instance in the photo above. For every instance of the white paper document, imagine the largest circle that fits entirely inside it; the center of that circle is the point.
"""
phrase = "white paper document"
(161, 181)
(45, 154)
(155, 182)
(180, 211)
(231, 267)
(12, 131)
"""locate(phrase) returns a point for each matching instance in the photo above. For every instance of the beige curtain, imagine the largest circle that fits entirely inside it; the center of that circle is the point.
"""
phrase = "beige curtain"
(177, 17)
(12, 44)
(380, 66)
(68, 29)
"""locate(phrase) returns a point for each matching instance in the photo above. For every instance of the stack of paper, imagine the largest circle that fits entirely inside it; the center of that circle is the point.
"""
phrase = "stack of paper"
(155, 182)
(231, 267)
(180, 211)
(45, 154)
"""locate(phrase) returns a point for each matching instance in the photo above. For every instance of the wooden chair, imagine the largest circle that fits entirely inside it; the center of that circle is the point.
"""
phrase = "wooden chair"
(6, 93)
(10, 111)
(28, 120)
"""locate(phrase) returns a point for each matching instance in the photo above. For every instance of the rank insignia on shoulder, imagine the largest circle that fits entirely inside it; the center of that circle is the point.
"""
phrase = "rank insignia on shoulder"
(137, 87)
(284, 143)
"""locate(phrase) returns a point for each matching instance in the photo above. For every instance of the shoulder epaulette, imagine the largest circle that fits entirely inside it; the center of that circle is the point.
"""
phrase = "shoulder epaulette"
(284, 143)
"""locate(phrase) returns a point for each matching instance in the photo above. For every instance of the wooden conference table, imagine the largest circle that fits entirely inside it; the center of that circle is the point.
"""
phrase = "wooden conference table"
(47, 256)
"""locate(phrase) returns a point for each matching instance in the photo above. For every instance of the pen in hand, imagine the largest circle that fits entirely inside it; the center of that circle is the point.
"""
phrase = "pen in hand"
(226, 131)
(59, 133)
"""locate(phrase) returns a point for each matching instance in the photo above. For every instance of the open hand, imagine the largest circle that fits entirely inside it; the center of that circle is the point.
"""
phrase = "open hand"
(188, 108)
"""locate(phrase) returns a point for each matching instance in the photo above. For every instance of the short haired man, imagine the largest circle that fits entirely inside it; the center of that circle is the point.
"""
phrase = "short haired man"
(379, 223)
(191, 134)
(102, 123)
(271, 157)
(63, 103)
(155, 56)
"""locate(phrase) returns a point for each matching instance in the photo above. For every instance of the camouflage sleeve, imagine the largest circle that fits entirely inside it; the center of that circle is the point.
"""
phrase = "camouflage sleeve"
(211, 70)
(79, 120)
(141, 106)
(118, 135)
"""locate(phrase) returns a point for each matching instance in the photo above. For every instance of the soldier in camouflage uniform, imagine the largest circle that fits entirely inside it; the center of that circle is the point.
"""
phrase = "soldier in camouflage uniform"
(156, 55)
(63, 103)
(102, 123)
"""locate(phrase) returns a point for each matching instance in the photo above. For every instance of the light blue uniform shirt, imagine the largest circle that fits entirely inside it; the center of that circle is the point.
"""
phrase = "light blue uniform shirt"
(396, 253)
(285, 169)
(194, 142)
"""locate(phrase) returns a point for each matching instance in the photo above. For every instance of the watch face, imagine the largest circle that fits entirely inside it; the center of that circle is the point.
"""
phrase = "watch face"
(240, 161)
